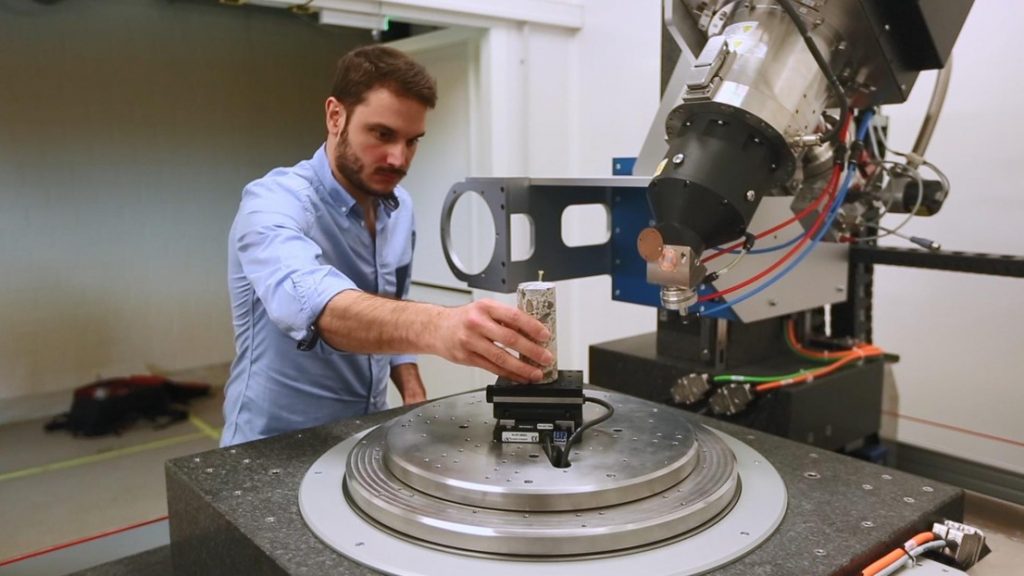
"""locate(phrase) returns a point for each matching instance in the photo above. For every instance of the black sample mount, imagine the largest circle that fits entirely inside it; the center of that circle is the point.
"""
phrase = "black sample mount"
(537, 413)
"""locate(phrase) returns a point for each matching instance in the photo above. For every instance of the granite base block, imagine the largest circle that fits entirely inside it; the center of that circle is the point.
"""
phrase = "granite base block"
(235, 510)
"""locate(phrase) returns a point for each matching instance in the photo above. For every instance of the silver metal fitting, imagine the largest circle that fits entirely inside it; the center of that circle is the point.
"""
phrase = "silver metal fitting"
(730, 399)
(806, 141)
(690, 389)
(677, 298)
(964, 544)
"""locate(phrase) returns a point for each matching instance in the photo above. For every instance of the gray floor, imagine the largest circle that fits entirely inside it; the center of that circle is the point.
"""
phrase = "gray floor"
(55, 488)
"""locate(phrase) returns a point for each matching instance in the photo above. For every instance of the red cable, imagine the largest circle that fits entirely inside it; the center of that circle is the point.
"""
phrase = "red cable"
(810, 207)
(830, 189)
(56, 547)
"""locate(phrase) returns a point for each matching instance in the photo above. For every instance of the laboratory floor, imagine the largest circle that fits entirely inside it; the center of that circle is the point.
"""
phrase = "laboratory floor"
(55, 488)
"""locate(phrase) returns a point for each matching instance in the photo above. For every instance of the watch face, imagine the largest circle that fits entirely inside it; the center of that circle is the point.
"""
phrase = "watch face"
(309, 342)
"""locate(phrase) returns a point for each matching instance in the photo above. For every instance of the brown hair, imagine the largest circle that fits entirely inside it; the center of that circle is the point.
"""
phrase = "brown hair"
(375, 66)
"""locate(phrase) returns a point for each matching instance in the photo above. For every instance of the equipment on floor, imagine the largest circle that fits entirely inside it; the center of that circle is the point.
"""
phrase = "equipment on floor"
(111, 406)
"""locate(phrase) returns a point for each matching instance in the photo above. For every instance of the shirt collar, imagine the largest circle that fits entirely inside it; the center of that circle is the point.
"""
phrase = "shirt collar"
(336, 192)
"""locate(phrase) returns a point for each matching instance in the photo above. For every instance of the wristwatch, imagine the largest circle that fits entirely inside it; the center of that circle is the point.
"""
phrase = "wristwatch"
(309, 342)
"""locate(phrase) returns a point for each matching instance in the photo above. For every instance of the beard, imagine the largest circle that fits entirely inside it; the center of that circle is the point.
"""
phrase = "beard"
(351, 167)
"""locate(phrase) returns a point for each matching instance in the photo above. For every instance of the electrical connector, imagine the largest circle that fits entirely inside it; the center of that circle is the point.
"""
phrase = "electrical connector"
(926, 243)
(965, 545)
(690, 389)
(730, 399)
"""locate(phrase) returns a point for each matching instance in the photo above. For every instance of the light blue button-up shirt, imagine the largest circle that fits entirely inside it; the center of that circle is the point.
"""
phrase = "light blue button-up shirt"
(298, 239)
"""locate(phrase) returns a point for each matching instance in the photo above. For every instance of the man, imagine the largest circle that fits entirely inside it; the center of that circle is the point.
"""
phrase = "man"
(319, 258)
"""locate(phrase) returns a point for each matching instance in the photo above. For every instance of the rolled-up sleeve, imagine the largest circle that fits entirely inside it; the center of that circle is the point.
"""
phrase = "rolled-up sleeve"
(281, 261)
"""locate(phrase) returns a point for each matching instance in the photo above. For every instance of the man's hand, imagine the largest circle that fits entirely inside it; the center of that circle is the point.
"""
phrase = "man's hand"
(482, 333)
(407, 379)
(479, 334)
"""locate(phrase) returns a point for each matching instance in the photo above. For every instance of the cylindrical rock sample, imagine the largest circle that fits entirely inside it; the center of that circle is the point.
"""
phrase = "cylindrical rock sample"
(538, 300)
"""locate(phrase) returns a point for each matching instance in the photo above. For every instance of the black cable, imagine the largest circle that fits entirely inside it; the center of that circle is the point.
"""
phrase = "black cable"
(553, 453)
(844, 104)
(579, 431)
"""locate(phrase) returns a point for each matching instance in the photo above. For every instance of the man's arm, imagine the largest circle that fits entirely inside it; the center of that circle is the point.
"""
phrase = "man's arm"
(477, 334)
(407, 379)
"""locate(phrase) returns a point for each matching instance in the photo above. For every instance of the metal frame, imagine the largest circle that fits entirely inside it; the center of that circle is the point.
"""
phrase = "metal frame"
(544, 201)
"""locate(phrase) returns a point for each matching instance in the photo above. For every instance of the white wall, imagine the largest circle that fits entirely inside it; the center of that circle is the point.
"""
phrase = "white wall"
(961, 336)
(588, 96)
(127, 131)
(543, 102)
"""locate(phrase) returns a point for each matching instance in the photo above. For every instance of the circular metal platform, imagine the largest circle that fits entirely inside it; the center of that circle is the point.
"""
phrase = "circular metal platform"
(445, 449)
(643, 481)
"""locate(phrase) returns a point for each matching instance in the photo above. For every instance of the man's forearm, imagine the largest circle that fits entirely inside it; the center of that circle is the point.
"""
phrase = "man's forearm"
(481, 333)
(407, 379)
(363, 323)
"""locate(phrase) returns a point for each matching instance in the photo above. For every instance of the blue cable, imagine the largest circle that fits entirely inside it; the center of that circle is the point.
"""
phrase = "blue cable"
(865, 123)
(862, 131)
(775, 248)
(789, 267)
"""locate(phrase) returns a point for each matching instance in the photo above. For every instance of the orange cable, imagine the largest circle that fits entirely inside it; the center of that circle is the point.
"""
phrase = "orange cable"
(887, 560)
(857, 354)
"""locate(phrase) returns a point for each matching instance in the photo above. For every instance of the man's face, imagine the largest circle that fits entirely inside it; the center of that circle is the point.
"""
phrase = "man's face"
(372, 145)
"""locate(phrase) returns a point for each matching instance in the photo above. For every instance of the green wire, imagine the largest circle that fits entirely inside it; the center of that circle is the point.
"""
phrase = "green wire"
(759, 379)
(739, 378)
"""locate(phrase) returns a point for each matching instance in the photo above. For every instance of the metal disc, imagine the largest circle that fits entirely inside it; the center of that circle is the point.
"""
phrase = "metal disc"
(445, 449)
(676, 510)
(754, 517)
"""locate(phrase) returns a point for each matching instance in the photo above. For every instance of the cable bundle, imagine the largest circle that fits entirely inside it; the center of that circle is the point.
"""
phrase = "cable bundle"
(835, 360)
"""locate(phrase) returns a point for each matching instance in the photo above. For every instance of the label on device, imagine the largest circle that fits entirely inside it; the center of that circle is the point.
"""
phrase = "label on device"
(528, 437)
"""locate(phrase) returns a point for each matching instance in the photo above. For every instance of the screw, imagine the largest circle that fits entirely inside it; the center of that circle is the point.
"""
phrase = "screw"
(751, 196)
(867, 524)
(678, 159)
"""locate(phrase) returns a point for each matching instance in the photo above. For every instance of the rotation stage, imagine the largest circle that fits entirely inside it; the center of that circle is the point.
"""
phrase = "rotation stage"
(427, 492)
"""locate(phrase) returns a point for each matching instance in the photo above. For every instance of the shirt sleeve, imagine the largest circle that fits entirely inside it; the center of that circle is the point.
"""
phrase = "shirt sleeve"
(281, 261)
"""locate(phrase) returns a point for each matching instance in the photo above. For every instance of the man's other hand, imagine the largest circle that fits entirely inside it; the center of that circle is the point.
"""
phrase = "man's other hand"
(484, 332)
